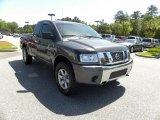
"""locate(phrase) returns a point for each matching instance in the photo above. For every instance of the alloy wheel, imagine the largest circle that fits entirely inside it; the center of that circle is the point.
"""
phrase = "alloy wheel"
(63, 79)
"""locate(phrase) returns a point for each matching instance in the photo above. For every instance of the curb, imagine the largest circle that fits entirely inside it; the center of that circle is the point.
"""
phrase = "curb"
(8, 50)
(147, 56)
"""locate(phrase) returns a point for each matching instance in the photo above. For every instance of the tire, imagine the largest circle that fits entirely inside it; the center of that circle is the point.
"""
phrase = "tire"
(26, 57)
(131, 49)
(65, 78)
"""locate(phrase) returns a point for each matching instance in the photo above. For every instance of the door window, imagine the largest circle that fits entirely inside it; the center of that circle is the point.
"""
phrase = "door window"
(46, 28)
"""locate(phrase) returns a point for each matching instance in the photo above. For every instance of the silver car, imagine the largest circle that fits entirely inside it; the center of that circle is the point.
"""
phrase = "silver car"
(149, 42)
(133, 45)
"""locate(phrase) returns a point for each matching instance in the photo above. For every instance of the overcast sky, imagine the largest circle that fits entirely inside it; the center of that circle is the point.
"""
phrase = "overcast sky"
(87, 10)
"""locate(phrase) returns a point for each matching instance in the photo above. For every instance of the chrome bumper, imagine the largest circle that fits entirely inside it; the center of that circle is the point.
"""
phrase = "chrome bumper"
(108, 71)
(101, 74)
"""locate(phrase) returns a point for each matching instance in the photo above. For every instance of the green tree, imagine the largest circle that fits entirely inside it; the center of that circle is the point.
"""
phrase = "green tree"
(93, 26)
(67, 19)
(76, 19)
(136, 22)
(149, 27)
(27, 29)
(117, 28)
(127, 28)
(123, 19)
(157, 35)
(151, 22)
(104, 28)
(3, 25)
(120, 16)
(152, 11)
(12, 26)
(121, 29)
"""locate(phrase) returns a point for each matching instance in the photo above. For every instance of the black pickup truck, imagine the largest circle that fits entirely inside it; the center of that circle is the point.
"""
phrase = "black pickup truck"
(77, 53)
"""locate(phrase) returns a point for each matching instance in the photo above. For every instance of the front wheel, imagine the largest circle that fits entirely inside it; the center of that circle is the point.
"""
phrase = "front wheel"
(26, 57)
(65, 78)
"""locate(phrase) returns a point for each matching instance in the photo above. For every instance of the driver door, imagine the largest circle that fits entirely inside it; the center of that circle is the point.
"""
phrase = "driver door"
(45, 44)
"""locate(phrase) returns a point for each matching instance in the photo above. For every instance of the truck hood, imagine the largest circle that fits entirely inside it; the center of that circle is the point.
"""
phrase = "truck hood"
(94, 44)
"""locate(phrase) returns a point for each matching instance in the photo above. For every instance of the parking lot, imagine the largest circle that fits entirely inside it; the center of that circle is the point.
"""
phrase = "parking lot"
(30, 93)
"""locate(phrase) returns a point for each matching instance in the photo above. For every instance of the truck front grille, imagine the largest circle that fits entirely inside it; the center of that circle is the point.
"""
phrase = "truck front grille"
(117, 56)
(118, 73)
(111, 58)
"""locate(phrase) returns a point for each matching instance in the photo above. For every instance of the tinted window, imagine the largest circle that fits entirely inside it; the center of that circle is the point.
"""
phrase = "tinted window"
(37, 29)
(46, 28)
(146, 40)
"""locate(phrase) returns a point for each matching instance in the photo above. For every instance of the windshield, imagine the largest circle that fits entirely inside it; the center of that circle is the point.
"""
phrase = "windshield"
(146, 40)
(75, 29)
(130, 41)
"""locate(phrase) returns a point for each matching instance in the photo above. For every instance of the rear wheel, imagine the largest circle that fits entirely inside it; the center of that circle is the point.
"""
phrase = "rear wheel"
(65, 78)
(26, 57)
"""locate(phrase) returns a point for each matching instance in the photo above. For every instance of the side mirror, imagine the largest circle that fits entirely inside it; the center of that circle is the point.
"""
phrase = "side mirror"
(48, 36)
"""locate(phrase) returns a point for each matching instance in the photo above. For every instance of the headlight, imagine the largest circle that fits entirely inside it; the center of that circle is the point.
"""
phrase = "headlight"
(88, 58)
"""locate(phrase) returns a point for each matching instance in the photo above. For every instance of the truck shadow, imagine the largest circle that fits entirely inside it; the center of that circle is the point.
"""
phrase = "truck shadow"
(38, 79)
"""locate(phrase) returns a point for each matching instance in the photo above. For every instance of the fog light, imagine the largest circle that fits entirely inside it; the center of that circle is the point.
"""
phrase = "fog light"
(94, 78)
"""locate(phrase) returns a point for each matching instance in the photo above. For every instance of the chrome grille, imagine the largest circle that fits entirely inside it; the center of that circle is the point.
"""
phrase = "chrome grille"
(111, 58)
(126, 55)
(117, 56)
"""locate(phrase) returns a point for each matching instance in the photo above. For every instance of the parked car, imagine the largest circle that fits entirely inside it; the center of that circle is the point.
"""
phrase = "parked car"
(1, 36)
(116, 40)
(108, 36)
(77, 54)
(121, 37)
(15, 35)
(156, 41)
(111, 38)
(134, 37)
(149, 42)
(133, 45)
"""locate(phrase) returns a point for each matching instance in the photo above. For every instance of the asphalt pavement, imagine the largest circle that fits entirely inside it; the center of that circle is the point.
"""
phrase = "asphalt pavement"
(30, 93)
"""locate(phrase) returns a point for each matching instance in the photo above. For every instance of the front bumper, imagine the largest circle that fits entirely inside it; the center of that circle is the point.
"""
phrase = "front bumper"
(101, 74)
